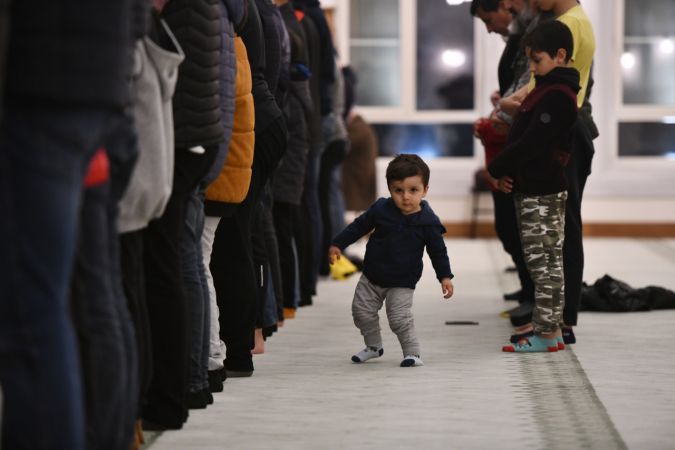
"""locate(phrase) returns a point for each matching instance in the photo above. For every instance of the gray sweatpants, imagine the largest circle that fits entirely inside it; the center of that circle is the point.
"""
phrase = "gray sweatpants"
(368, 300)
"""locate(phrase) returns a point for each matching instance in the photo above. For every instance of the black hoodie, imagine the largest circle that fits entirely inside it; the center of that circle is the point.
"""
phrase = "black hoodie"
(539, 144)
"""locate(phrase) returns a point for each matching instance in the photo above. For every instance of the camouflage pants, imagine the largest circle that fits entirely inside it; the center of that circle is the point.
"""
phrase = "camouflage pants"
(541, 221)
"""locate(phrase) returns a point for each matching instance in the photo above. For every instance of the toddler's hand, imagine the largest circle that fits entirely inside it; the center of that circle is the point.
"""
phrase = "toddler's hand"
(447, 287)
(334, 254)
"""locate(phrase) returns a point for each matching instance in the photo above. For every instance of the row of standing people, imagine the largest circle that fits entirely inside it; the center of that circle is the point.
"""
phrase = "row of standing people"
(170, 176)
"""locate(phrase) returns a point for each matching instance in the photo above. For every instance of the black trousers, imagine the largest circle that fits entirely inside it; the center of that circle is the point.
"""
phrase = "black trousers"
(506, 227)
(133, 281)
(232, 267)
(577, 172)
(166, 300)
(266, 259)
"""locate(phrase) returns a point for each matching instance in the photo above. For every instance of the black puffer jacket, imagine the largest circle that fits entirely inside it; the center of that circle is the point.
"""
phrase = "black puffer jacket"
(75, 53)
(196, 103)
(326, 74)
(289, 177)
(314, 59)
(266, 109)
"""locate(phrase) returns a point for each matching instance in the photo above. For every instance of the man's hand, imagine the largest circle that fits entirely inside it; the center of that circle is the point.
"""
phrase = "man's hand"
(498, 123)
(495, 97)
(505, 184)
(447, 287)
(334, 254)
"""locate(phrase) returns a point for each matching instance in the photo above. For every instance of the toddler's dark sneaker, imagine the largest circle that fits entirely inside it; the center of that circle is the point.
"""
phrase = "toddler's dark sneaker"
(412, 361)
(367, 353)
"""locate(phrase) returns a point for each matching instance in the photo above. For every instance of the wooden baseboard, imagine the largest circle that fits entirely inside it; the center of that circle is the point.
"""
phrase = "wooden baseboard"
(646, 230)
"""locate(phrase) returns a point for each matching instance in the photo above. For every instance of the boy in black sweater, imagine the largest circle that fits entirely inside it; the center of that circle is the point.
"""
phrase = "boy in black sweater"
(532, 166)
(402, 226)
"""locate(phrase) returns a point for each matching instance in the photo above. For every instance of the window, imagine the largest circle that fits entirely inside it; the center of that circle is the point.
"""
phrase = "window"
(414, 60)
(375, 51)
(425, 140)
(444, 56)
(648, 79)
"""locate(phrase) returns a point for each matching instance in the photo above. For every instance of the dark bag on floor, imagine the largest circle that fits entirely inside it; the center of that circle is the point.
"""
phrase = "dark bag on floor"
(611, 295)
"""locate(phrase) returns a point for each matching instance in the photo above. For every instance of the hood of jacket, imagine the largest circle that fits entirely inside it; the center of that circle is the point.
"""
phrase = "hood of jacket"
(560, 75)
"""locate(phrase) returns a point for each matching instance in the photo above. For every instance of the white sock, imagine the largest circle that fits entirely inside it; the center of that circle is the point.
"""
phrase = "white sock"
(367, 353)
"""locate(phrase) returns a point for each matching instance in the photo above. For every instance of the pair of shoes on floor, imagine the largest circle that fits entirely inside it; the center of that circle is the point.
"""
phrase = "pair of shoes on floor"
(515, 338)
(512, 295)
(238, 373)
(216, 378)
(375, 352)
(412, 361)
(199, 399)
(367, 353)
(533, 344)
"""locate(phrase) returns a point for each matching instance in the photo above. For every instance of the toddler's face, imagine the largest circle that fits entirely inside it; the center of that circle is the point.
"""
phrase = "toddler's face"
(408, 194)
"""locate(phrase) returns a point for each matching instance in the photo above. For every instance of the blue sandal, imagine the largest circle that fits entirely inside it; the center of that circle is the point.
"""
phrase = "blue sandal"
(533, 344)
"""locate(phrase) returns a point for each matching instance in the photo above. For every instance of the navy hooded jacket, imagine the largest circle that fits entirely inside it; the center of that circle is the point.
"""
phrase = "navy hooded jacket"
(395, 249)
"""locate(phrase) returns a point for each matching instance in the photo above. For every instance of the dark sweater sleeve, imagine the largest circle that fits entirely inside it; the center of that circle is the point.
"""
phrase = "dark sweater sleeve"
(438, 253)
(361, 226)
(554, 114)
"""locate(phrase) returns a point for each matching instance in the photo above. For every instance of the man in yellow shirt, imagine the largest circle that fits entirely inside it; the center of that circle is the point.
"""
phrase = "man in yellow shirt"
(572, 14)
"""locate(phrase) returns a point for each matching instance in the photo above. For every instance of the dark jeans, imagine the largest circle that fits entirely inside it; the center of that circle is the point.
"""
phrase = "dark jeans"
(232, 267)
(331, 159)
(133, 281)
(197, 291)
(44, 154)
(105, 334)
(311, 209)
(166, 299)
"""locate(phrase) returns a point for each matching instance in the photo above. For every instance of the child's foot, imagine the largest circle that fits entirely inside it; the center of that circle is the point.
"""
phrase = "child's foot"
(367, 353)
(561, 342)
(412, 361)
(533, 344)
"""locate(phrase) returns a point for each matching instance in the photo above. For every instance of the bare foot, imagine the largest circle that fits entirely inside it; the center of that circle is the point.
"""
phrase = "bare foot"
(259, 347)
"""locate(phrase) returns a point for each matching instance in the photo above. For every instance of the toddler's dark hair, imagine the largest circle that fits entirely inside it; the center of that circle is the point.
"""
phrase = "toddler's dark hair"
(549, 37)
(407, 165)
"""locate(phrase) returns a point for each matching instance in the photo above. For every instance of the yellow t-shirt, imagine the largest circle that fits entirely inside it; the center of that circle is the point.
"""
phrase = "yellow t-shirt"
(584, 47)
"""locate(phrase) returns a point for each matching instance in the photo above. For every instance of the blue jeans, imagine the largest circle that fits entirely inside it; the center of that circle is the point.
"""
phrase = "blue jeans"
(197, 291)
(43, 157)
